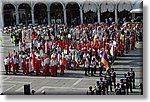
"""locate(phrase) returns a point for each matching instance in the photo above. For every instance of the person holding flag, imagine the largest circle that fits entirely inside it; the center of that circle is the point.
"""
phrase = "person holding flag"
(112, 53)
(105, 60)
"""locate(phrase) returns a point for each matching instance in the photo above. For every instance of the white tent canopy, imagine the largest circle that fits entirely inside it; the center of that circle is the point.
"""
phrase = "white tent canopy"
(137, 10)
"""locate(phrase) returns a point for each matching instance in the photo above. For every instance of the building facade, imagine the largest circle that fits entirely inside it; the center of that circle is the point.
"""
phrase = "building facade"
(68, 12)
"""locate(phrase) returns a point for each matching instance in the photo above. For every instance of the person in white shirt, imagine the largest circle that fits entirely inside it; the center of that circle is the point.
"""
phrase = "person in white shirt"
(20, 61)
(53, 64)
(6, 63)
(86, 65)
(92, 67)
(100, 68)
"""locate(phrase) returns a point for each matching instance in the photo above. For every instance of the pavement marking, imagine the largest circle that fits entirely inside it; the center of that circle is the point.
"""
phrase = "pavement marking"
(19, 89)
(17, 82)
(49, 77)
(6, 78)
(48, 87)
(10, 88)
(79, 80)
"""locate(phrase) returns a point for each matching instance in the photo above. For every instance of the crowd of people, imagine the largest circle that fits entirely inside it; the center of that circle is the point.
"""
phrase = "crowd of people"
(45, 49)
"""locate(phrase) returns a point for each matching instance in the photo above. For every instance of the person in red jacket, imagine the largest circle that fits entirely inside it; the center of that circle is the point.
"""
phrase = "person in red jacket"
(27, 65)
(53, 66)
(33, 35)
(33, 60)
(10, 61)
(14, 64)
(38, 65)
(62, 66)
(24, 64)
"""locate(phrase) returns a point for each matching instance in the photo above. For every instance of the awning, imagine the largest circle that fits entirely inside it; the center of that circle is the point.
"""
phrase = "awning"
(137, 10)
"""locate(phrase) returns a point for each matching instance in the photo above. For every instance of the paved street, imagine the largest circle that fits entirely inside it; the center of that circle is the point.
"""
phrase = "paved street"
(73, 81)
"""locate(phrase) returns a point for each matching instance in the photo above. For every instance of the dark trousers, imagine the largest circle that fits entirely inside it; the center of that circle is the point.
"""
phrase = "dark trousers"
(112, 60)
(110, 85)
(103, 90)
(134, 83)
(130, 87)
(114, 82)
(92, 70)
(141, 91)
(95, 70)
(127, 87)
(86, 69)
(100, 71)
(6, 69)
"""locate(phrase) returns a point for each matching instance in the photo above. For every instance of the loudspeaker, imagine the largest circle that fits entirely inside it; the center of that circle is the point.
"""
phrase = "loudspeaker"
(27, 89)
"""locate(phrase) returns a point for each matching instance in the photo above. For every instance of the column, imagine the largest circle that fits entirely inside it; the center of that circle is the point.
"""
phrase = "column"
(48, 14)
(99, 16)
(65, 17)
(81, 14)
(17, 14)
(32, 14)
(1, 17)
(116, 18)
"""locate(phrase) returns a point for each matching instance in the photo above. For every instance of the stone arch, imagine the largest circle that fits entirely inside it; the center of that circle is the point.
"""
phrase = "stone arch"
(40, 13)
(107, 11)
(89, 12)
(56, 12)
(73, 13)
(24, 10)
(9, 14)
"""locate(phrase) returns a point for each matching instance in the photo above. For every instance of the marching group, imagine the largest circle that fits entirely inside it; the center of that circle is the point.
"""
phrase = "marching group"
(49, 48)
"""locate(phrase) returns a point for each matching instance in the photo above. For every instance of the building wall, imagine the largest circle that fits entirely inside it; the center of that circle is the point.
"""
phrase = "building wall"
(97, 4)
(1, 15)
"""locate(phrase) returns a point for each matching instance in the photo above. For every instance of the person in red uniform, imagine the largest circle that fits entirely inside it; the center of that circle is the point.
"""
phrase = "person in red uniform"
(24, 64)
(10, 60)
(133, 40)
(46, 47)
(17, 63)
(46, 61)
(38, 65)
(33, 60)
(33, 35)
(14, 64)
(27, 65)
(53, 66)
(62, 66)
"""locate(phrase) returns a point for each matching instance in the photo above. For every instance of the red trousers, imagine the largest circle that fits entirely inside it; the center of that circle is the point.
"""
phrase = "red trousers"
(17, 67)
(54, 70)
(62, 68)
(45, 70)
(14, 68)
(24, 68)
(27, 69)
(37, 69)
(9, 67)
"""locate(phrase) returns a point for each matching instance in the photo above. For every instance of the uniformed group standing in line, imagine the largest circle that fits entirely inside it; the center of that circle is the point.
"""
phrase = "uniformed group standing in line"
(124, 87)
(58, 47)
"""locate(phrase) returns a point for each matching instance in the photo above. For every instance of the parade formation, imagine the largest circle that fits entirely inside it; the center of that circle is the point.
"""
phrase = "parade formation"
(85, 40)
(93, 46)
(50, 50)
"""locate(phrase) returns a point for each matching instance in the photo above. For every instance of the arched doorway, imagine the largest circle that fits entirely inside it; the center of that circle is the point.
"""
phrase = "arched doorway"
(90, 12)
(40, 13)
(73, 14)
(9, 15)
(24, 14)
(107, 12)
(124, 8)
(56, 12)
